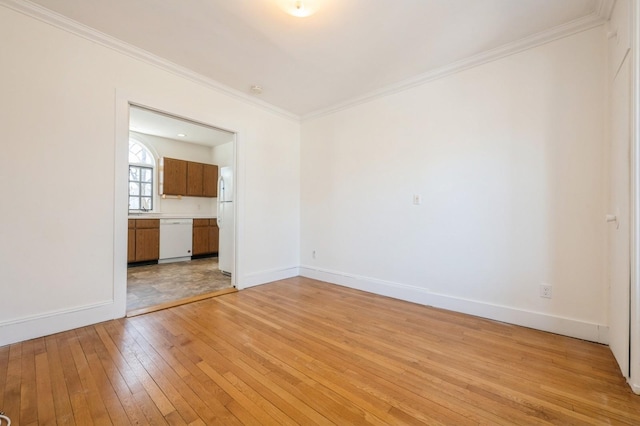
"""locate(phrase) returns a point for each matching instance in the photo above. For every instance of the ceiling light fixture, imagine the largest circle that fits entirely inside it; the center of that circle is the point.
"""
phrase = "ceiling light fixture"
(299, 8)
(182, 135)
(255, 89)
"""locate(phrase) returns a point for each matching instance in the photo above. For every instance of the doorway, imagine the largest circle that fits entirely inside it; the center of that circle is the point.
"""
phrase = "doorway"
(164, 272)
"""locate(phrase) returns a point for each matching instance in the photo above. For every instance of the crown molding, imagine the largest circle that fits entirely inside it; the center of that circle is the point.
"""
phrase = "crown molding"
(602, 12)
(604, 8)
(595, 19)
(59, 21)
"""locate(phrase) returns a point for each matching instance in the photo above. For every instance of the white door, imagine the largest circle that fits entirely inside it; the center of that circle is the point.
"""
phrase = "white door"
(618, 232)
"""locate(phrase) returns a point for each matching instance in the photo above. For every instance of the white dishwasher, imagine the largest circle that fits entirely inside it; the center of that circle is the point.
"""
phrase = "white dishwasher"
(175, 240)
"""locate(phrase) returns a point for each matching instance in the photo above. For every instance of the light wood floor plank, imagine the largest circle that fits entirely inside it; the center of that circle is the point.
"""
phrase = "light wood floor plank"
(205, 403)
(13, 380)
(59, 389)
(269, 390)
(300, 351)
(4, 366)
(46, 411)
(28, 396)
(154, 402)
(389, 375)
(79, 403)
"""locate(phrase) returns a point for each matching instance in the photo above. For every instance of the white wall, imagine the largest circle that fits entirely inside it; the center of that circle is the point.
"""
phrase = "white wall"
(222, 155)
(164, 147)
(65, 129)
(508, 160)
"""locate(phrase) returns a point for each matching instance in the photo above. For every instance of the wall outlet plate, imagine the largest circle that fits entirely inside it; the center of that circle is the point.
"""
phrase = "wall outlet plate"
(546, 291)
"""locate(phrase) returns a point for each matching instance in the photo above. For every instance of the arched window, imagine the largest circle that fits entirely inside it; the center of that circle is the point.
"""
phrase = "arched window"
(141, 173)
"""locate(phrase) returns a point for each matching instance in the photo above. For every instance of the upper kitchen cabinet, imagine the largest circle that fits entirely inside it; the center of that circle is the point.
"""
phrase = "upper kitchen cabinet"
(209, 180)
(188, 178)
(174, 176)
(194, 179)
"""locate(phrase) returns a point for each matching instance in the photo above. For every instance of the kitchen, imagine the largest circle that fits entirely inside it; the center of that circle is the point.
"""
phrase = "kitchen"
(181, 218)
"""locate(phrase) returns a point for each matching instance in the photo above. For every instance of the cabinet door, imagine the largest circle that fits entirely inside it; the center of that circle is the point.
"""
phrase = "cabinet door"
(200, 240)
(214, 237)
(210, 180)
(174, 177)
(131, 246)
(194, 179)
(147, 244)
(147, 223)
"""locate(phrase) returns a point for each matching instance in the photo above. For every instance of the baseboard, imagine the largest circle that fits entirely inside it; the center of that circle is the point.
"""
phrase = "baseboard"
(263, 277)
(31, 327)
(537, 320)
(55, 322)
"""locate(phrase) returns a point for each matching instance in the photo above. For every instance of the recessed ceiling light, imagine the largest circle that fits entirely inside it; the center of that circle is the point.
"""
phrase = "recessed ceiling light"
(299, 8)
(182, 135)
(256, 90)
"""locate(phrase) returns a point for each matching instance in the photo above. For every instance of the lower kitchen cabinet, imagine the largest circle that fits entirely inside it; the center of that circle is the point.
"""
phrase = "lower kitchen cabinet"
(205, 236)
(214, 236)
(131, 241)
(144, 240)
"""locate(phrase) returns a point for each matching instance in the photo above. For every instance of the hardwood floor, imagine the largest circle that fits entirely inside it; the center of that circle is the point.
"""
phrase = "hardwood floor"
(301, 351)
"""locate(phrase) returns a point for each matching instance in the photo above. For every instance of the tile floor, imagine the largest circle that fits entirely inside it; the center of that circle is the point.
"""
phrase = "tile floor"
(151, 285)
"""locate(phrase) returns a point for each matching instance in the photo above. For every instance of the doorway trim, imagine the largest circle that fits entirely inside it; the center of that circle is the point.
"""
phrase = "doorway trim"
(123, 102)
(634, 329)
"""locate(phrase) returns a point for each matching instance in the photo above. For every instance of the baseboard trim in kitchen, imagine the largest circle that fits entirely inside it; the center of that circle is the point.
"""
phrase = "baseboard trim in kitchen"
(143, 263)
(179, 302)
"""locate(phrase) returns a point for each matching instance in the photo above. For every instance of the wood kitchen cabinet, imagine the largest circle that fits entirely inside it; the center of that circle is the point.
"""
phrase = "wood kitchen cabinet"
(174, 180)
(144, 240)
(189, 178)
(214, 236)
(194, 179)
(210, 181)
(205, 236)
(200, 236)
(131, 240)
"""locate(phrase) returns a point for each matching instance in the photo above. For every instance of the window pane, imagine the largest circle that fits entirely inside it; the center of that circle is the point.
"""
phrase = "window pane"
(139, 154)
(140, 177)
(134, 188)
(144, 158)
(145, 175)
(134, 203)
(134, 173)
(146, 203)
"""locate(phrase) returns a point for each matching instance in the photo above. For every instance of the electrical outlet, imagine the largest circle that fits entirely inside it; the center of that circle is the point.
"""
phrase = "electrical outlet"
(417, 199)
(546, 291)
(313, 254)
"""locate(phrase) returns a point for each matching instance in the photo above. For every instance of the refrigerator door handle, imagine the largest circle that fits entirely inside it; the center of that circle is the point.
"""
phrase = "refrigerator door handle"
(220, 198)
(221, 194)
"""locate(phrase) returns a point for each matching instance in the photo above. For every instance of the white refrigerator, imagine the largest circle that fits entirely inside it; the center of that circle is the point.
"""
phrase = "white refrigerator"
(225, 221)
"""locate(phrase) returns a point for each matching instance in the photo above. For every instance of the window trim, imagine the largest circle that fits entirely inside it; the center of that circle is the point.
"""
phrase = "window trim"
(154, 175)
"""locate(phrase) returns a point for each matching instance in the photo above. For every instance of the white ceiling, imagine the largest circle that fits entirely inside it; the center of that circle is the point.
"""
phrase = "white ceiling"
(347, 49)
(142, 120)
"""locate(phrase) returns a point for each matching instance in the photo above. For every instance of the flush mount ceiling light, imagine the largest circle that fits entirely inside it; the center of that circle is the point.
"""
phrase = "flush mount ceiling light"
(255, 89)
(182, 135)
(299, 8)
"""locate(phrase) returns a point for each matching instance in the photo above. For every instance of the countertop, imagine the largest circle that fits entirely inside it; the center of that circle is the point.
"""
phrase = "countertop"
(170, 216)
